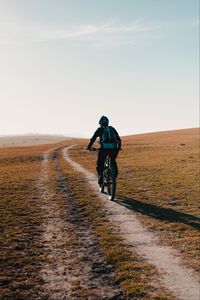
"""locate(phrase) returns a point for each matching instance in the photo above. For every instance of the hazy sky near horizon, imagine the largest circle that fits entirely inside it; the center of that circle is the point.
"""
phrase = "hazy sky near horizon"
(64, 63)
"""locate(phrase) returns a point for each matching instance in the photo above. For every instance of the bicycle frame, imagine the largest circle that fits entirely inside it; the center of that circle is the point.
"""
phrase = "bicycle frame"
(109, 177)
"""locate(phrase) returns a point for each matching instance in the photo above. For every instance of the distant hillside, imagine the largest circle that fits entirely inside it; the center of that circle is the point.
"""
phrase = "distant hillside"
(29, 140)
(171, 136)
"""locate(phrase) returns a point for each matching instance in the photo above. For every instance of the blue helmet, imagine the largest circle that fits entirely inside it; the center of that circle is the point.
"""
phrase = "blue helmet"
(103, 121)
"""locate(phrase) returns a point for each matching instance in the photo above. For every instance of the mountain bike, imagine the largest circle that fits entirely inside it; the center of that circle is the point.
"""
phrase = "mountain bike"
(109, 178)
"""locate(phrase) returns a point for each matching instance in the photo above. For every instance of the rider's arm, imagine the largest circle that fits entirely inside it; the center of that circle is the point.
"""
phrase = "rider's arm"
(118, 138)
(94, 137)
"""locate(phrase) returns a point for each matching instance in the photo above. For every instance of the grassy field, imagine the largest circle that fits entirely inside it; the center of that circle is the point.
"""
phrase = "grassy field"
(159, 180)
(20, 219)
(21, 248)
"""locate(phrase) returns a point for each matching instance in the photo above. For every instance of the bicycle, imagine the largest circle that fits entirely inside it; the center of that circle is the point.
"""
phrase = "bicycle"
(109, 178)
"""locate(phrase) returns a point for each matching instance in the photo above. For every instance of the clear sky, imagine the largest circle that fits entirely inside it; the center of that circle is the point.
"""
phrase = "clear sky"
(64, 63)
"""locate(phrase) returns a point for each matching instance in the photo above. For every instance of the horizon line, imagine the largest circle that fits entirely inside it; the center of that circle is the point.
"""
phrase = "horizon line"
(32, 134)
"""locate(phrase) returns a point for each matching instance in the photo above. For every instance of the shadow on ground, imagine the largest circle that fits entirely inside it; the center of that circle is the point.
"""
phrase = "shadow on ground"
(160, 213)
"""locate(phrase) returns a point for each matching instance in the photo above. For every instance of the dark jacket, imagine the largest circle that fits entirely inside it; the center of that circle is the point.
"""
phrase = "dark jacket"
(99, 133)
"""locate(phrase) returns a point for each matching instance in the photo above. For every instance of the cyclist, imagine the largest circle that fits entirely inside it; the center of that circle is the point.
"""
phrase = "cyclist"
(110, 145)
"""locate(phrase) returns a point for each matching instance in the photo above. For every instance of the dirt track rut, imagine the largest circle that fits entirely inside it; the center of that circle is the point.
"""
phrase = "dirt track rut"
(75, 266)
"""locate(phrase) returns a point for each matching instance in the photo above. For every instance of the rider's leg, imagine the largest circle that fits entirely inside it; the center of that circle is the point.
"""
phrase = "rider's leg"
(113, 155)
(100, 164)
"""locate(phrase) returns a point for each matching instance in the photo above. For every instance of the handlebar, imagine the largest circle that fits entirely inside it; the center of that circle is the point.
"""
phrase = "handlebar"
(95, 149)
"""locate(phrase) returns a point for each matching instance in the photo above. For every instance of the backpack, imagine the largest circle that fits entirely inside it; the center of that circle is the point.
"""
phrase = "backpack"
(109, 138)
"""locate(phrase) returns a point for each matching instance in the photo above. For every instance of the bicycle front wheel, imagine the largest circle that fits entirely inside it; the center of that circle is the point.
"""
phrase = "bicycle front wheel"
(111, 183)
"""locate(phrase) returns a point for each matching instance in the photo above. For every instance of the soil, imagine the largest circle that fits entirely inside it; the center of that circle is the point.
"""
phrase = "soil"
(75, 266)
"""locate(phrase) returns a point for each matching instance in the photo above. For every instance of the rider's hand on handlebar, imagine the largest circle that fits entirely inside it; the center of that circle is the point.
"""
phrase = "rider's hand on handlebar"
(91, 149)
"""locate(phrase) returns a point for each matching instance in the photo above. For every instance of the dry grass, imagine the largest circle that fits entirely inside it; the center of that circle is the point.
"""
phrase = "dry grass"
(20, 219)
(22, 252)
(159, 180)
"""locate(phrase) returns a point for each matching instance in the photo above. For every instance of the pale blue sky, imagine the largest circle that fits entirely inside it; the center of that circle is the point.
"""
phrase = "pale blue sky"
(64, 63)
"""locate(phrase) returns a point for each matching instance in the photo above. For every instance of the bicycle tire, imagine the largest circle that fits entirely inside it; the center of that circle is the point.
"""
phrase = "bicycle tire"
(101, 188)
(111, 183)
(104, 183)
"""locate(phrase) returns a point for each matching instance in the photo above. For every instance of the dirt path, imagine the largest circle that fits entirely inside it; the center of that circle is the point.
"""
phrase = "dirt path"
(180, 280)
(75, 267)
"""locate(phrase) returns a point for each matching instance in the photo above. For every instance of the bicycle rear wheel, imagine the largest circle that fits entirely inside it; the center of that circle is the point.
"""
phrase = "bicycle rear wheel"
(101, 188)
(111, 183)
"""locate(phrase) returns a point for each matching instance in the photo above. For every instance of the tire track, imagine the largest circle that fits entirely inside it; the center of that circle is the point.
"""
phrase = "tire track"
(75, 266)
(180, 280)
